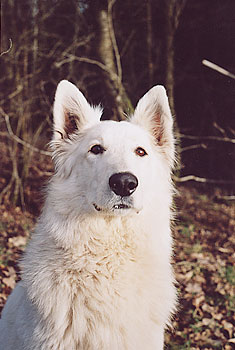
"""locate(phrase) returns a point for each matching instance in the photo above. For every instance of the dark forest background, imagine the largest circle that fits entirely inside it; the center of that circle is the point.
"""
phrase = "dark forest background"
(115, 51)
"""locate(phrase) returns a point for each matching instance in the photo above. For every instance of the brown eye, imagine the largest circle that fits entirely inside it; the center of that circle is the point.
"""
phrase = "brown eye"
(140, 152)
(97, 149)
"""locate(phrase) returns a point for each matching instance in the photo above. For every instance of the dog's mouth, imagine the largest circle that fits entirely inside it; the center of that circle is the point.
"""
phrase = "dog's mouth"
(121, 206)
(118, 206)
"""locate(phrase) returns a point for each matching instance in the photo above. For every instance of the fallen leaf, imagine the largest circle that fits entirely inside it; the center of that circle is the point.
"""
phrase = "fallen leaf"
(18, 241)
(228, 327)
(9, 282)
(193, 288)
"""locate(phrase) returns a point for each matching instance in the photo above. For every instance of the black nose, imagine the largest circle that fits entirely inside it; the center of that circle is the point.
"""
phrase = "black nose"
(123, 184)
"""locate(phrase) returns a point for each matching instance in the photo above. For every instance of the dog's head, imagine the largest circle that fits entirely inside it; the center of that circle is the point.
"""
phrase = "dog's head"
(108, 167)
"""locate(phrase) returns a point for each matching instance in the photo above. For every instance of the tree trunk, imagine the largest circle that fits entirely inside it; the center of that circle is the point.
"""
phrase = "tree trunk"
(172, 9)
(109, 55)
(149, 41)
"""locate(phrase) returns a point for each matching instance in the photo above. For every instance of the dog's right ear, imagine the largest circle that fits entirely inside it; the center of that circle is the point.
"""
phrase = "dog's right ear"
(153, 113)
(71, 111)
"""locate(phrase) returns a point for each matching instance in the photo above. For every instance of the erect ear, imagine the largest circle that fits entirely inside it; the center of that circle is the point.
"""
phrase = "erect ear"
(153, 113)
(71, 111)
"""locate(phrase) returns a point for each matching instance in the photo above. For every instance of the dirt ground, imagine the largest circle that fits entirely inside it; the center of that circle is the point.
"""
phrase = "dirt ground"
(203, 260)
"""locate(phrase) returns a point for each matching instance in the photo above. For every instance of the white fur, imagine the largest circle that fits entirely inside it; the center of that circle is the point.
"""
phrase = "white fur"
(99, 279)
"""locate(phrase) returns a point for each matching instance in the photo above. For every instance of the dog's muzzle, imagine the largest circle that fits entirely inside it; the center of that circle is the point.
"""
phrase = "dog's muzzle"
(123, 185)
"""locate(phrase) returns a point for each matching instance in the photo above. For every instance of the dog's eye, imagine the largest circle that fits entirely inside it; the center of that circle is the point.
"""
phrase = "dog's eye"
(140, 152)
(97, 149)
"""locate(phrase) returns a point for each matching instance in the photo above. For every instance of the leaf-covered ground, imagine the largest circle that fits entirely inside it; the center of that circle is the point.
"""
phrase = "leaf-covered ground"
(203, 261)
(205, 271)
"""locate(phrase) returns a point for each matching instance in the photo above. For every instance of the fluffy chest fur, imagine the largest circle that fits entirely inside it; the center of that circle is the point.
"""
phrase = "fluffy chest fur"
(96, 294)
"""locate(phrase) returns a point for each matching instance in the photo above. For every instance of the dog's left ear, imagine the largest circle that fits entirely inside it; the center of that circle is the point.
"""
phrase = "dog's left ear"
(71, 111)
(153, 113)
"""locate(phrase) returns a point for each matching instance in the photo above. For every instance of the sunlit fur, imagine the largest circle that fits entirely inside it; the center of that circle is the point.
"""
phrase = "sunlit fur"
(95, 277)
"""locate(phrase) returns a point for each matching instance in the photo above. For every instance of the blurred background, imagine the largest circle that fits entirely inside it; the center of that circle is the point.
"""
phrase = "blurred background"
(115, 51)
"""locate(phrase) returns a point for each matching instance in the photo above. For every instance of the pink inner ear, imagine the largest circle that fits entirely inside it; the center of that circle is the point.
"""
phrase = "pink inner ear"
(70, 123)
(158, 128)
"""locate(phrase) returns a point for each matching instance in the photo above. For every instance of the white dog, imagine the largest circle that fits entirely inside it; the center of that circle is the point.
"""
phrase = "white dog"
(96, 274)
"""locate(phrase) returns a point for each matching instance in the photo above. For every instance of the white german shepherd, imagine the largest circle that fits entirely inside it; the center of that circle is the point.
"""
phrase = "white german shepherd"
(96, 274)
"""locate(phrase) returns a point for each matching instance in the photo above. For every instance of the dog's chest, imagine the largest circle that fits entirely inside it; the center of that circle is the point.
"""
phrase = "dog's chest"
(102, 289)
(101, 266)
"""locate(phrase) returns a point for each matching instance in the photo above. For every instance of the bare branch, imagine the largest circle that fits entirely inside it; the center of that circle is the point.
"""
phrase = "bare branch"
(71, 58)
(215, 138)
(231, 130)
(8, 50)
(221, 130)
(74, 45)
(19, 140)
(226, 198)
(178, 10)
(16, 92)
(188, 148)
(42, 172)
(200, 179)
(102, 66)
(126, 46)
(15, 182)
(218, 69)
(113, 39)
